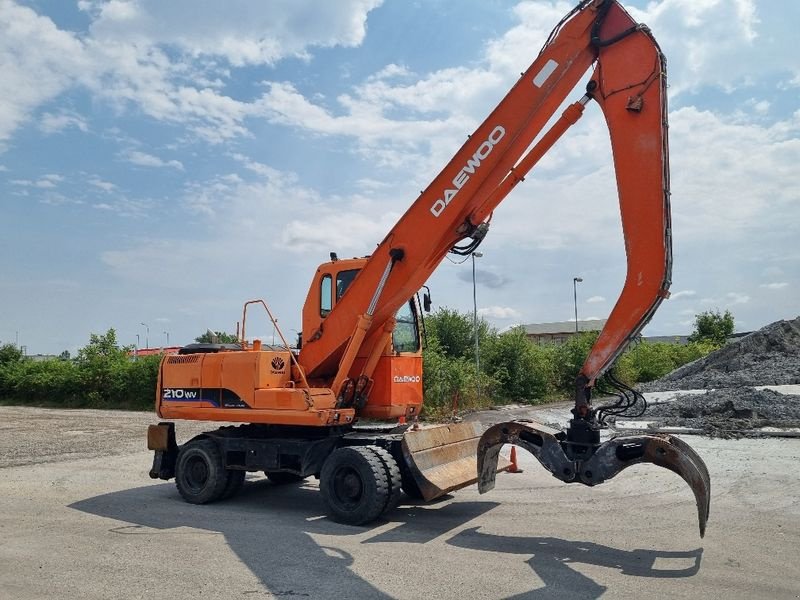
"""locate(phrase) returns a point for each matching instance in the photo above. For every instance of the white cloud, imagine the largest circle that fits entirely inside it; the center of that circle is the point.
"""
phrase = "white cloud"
(595, 299)
(58, 122)
(499, 312)
(683, 294)
(721, 43)
(106, 186)
(778, 285)
(737, 298)
(45, 182)
(38, 62)
(123, 58)
(143, 159)
(242, 32)
(743, 154)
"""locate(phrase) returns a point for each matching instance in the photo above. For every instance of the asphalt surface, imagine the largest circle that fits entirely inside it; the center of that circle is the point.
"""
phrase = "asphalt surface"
(79, 518)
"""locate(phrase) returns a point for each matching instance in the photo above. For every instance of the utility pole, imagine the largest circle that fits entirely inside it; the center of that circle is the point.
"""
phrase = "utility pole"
(575, 282)
(475, 312)
(147, 335)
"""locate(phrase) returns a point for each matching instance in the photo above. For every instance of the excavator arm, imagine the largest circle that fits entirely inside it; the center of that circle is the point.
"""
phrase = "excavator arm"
(629, 84)
(452, 214)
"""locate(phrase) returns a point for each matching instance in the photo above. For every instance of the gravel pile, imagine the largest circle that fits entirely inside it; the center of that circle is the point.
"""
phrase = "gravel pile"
(729, 412)
(769, 356)
(732, 407)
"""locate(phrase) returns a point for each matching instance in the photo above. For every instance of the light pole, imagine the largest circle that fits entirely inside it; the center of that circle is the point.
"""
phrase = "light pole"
(575, 282)
(147, 335)
(475, 311)
(166, 333)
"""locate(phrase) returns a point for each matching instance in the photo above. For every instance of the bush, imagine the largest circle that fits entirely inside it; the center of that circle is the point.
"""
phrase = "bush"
(651, 361)
(522, 370)
(102, 376)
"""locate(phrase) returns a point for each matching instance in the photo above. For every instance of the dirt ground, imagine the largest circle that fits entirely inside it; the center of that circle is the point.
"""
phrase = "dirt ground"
(79, 518)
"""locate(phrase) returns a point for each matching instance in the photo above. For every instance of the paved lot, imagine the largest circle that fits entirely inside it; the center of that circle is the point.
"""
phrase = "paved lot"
(79, 518)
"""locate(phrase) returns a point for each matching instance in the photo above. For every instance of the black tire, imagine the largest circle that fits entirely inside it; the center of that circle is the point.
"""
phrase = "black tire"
(234, 484)
(354, 485)
(283, 477)
(200, 474)
(393, 477)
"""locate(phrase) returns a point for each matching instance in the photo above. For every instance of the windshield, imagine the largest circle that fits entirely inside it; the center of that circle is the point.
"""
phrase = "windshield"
(406, 335)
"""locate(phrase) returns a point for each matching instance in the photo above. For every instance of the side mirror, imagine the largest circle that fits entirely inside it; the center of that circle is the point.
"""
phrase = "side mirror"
(426, 302)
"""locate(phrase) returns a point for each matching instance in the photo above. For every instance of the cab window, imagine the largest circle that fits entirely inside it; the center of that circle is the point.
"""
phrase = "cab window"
(406, 335)
(325, 296)
(343, 281)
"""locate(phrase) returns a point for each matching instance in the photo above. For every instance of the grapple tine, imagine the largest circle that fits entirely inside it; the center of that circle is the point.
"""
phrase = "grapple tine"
(666, 451)
(606, 461)
(538, 439)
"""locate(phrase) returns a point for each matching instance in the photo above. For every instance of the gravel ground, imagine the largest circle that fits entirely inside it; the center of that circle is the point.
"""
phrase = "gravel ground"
(38, 435)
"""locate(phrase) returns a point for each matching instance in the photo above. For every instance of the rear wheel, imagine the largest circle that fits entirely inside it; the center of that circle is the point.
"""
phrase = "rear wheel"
(354, 485)
(283, 477)
(200, 474)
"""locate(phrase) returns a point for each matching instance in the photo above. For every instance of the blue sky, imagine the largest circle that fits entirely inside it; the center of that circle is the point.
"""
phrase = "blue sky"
(161, 163)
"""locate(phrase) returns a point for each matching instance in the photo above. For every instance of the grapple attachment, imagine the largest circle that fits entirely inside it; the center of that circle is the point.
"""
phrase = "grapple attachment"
(591, 465)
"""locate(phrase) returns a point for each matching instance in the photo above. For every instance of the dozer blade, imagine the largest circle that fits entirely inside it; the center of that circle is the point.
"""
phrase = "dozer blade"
(608, 459)
(444, 458)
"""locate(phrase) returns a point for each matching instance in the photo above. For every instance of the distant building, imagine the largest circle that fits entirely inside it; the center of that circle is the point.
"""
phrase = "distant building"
(152, 351)
(561, 331)
(41, 357)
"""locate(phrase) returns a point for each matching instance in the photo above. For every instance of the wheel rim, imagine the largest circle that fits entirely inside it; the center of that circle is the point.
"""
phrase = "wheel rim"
(196, 473)
(348, 487)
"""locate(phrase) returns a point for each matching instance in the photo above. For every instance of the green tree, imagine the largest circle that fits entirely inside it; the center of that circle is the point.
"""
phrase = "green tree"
(10, 353)
(103, 366)
(522, 369)
(712, 326)
(216, 337)
(569, 358)
(455, 332)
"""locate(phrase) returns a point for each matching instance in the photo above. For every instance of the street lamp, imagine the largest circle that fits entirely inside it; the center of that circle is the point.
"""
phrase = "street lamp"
(575, 282)
(147, 335)
(475, 311)
(166, 333)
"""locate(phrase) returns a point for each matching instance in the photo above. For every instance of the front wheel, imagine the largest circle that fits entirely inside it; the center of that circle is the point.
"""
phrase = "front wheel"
(200, 474)
(354, 485)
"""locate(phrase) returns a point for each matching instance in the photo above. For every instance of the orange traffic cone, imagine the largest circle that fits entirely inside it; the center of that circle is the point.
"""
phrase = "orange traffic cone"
(514, 468)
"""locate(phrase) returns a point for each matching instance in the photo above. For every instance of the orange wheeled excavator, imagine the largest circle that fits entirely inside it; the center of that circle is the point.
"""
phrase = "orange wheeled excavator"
(294, 414)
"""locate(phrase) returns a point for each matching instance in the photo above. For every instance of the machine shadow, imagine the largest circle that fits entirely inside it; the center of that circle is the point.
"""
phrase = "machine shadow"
(550, 558)
(268, 527)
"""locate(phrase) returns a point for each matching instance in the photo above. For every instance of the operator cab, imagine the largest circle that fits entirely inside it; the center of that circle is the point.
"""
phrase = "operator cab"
(330, 284)
(397, 378)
